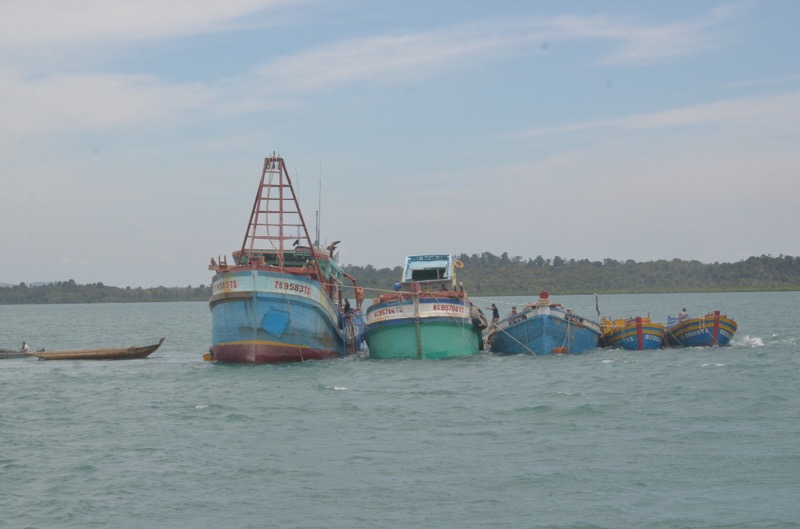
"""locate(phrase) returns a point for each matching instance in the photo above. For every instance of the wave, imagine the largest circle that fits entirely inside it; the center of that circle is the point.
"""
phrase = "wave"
(748, 341)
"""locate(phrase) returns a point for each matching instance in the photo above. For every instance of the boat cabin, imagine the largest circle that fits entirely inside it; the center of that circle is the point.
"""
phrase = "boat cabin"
(434, 273)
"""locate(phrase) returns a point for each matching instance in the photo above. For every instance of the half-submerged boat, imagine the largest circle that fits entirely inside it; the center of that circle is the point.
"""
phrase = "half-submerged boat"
(710, 330)
(282, 298)
(636, 334)
(427, 316)
(109, 353)
(544, 328)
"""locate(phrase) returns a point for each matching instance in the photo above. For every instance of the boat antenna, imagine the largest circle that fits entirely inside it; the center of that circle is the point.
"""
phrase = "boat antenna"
(319, 207)
(297, 179)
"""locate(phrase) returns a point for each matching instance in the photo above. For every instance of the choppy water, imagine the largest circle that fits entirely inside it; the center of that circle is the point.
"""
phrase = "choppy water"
(702, 438)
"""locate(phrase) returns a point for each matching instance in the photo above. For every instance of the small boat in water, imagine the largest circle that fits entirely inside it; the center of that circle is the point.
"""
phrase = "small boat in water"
(710, 330)
(636, 334)
(11, 353)
(110, 353)
(544, 328)
(282, 299)
(428, 316)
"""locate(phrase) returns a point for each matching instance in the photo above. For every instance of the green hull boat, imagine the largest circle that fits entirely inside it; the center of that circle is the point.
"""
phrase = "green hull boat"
(427, 316)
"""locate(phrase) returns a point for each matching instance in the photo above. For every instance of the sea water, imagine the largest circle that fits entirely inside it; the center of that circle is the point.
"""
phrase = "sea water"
(680, 438)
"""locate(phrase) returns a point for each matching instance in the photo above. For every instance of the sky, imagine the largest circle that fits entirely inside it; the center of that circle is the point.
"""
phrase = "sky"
(133, 134)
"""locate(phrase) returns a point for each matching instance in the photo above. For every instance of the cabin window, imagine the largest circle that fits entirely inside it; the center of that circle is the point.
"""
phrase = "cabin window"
(431, 274)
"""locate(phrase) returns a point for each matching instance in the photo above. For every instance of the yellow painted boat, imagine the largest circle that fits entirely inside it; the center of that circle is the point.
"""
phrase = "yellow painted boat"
(636, 334)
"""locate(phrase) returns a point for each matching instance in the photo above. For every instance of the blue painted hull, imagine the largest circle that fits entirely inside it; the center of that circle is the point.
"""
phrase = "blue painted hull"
(257, 319)
(633, 337)
(544, 334)
(711, 330)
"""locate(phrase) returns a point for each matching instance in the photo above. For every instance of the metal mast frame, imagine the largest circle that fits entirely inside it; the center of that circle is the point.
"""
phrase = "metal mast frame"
(279, 214)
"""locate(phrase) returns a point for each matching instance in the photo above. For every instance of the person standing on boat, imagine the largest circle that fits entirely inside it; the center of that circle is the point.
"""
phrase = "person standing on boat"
(513, 310)
(682, 315)
(24, 348)
(495, 314)
(347, 306)
(359, 297)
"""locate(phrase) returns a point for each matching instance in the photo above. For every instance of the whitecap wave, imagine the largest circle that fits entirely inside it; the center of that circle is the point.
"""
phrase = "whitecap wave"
(750, 341)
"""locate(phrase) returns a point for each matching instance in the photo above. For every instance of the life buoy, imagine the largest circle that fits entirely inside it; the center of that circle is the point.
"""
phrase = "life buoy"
(458, 264)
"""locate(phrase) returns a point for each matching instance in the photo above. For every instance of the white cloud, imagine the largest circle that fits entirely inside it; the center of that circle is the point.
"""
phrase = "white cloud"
(379, 57)
(461, 46)
(765, 82)
(46, 22)
(60, 101)
(89, 101)
(639, 43)
(783, 110)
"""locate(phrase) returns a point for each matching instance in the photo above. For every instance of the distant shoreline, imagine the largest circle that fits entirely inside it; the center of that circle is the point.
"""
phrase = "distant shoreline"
(488, 275)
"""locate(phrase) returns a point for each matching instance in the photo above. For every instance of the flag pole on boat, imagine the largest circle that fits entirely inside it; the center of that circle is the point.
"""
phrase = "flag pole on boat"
(597, 306)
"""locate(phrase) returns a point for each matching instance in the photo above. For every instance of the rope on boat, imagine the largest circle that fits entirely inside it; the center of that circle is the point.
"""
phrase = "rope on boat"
(520, 343)
(402, 296)
(463, 327)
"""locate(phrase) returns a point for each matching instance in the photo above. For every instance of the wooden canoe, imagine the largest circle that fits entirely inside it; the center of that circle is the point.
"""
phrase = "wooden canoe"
(113, 353)
(10, 353)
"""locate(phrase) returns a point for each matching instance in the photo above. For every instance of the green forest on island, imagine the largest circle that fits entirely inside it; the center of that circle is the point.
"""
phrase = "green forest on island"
(489, 275)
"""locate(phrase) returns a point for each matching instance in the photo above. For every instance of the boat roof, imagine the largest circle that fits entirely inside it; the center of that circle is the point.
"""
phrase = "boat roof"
(429, 267)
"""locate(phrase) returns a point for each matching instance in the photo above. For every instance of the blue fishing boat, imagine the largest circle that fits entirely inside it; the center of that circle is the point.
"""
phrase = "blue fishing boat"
(713, 329)
(636, 334)
(282, 299)
(427, 316)
(544, 328)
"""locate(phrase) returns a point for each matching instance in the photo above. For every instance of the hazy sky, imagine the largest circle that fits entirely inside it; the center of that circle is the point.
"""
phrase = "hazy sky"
(133, 133)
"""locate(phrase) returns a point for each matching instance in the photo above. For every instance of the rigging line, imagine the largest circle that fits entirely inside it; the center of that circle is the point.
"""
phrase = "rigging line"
(496, 302)
(266, 212)
(373, 289)
(461, 323)
(566, 336)
(674, 337)
(440, 300)
(497, 329)
(288, 301)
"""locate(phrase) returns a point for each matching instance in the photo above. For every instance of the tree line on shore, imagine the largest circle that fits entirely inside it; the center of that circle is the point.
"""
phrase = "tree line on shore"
(72, 292)
(486, 274)
(491, 275)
